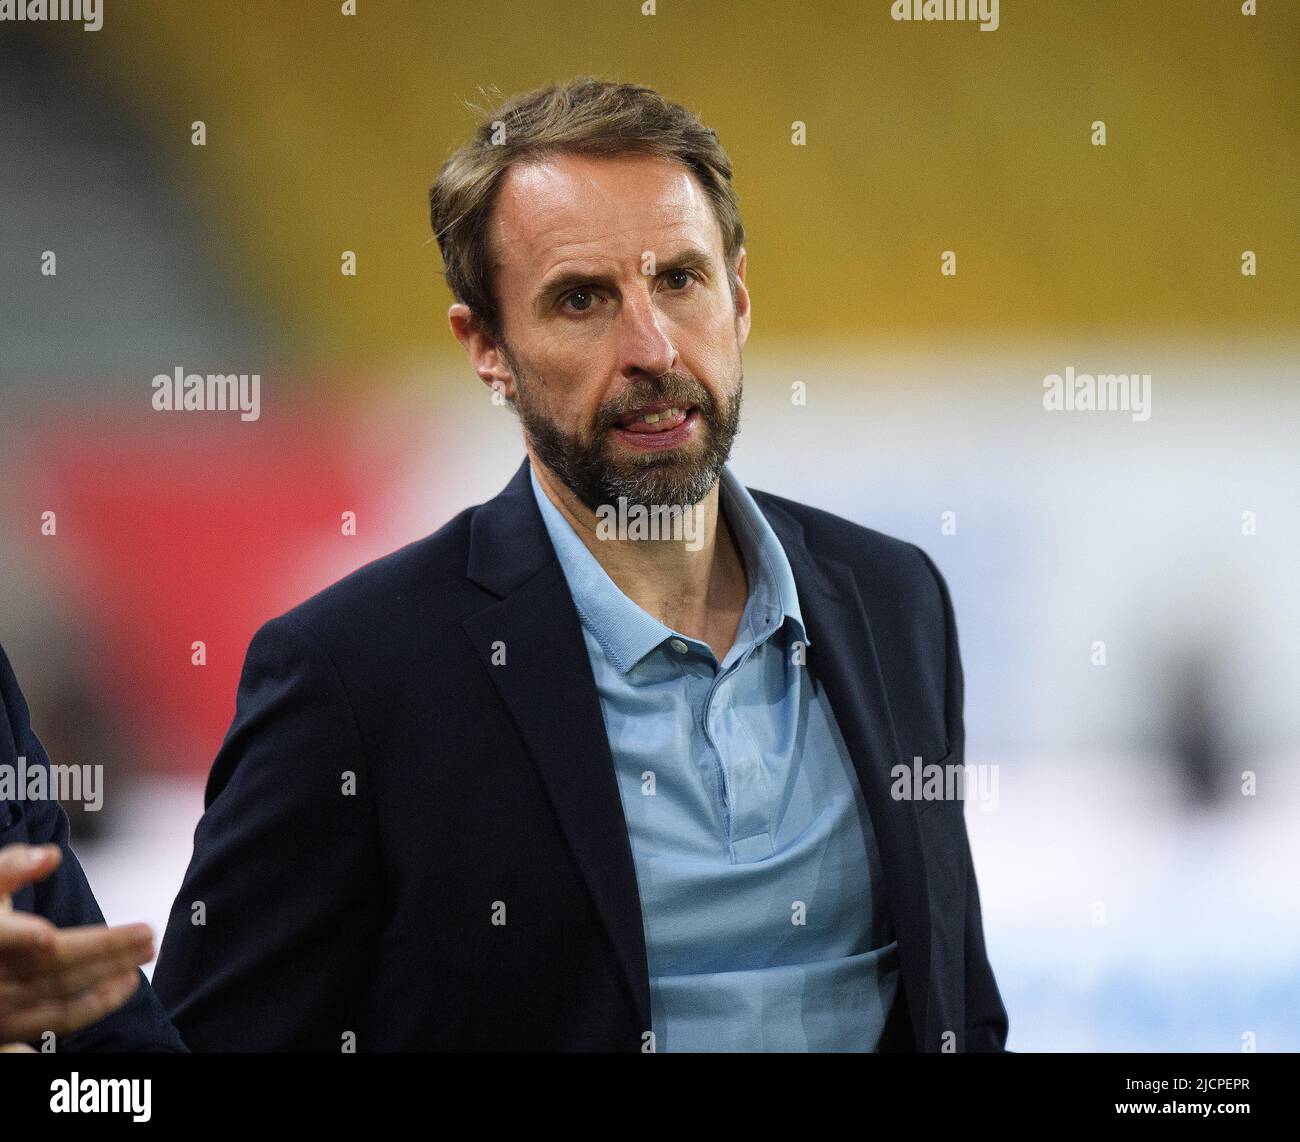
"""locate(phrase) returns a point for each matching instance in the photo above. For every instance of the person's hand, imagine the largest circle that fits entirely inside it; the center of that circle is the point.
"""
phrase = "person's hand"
(58, 979)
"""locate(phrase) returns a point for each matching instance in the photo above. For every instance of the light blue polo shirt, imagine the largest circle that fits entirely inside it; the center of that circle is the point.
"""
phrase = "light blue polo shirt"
(760, 881)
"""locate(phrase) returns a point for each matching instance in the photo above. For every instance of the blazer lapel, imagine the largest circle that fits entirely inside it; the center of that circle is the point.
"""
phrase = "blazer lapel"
(842, 656)
(547, 683)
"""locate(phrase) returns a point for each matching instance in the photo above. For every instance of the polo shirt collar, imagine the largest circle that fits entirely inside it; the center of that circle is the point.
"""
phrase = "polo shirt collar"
(627, 633)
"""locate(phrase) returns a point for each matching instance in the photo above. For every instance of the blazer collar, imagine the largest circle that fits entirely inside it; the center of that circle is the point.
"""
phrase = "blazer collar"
(508, 543)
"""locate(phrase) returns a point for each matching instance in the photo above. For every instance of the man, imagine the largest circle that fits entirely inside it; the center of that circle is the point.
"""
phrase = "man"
(542, 782)
(67, 982)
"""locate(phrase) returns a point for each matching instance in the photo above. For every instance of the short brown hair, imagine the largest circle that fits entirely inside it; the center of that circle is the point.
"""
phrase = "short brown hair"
(585, 116)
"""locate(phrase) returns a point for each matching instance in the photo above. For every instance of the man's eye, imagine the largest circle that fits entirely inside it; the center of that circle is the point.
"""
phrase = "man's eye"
(582, 296)
(684, 275)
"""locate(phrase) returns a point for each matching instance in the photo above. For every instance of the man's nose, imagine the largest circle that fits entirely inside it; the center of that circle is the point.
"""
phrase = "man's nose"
(646, 345)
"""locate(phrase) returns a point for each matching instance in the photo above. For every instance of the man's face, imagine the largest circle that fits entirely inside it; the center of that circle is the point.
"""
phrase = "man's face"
(615, 305)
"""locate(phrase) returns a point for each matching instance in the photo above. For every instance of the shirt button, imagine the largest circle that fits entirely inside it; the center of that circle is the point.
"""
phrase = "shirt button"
(678, 645)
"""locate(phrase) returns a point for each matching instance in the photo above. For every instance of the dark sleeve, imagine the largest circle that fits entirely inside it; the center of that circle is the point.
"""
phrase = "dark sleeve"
(271, 929)
(986, 1017)
(64, 897)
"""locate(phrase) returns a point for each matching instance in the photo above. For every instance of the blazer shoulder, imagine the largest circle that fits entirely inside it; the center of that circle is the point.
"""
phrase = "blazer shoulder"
(864, 549)
(10, 695)
(425, 577)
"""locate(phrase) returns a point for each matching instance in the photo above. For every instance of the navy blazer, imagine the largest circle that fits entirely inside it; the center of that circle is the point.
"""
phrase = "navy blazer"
(64, 897)
(422, 743)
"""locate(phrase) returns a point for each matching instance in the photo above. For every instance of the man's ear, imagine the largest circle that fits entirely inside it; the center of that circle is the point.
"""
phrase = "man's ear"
(484, 352)
(742, 300)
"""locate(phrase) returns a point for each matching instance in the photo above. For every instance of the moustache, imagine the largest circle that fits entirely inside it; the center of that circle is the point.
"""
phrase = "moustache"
(677, 389)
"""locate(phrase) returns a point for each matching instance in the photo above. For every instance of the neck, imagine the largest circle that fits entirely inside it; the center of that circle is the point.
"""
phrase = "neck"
(698, 588)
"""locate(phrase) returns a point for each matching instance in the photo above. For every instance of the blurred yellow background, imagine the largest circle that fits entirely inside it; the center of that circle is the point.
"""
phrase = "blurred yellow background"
(324, 131)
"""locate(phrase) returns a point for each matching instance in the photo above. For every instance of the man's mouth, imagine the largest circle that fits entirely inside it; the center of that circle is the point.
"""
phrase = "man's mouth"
(657, 427)
(654, 418)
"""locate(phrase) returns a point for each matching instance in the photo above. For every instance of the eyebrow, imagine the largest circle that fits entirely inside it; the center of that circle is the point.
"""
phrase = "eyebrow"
(692, 258)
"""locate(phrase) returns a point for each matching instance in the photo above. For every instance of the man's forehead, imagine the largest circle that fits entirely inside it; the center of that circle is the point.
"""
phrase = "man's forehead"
(568, 205)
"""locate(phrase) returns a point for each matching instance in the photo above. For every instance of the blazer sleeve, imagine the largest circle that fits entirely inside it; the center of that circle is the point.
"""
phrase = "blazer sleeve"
(64, 897)
(986, 1017)
(269, 934)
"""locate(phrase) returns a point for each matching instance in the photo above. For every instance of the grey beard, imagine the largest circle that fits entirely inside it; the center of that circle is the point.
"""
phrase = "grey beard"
(585, 469)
